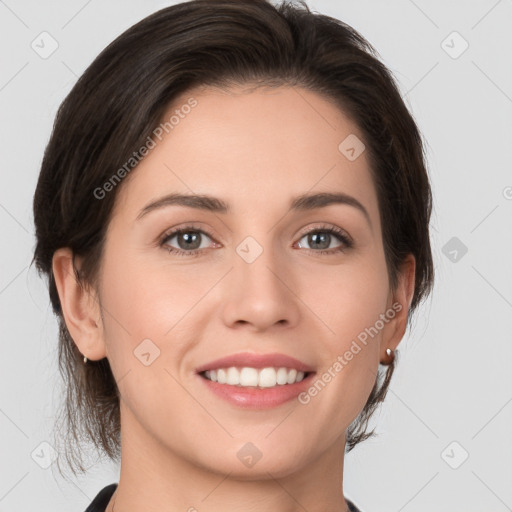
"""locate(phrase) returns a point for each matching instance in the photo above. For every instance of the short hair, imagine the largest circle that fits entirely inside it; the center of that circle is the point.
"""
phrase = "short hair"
(121, 97)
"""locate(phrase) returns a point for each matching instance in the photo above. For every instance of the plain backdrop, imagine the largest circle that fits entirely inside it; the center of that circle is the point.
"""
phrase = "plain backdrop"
(444, 440)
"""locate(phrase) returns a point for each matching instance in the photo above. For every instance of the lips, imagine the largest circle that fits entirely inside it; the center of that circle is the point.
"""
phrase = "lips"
(251, 360)
(271, 391)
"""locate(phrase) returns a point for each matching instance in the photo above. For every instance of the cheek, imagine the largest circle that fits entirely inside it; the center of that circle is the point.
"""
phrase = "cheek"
(350, 305)
(149, 299)
(348, 299)
(146, 307)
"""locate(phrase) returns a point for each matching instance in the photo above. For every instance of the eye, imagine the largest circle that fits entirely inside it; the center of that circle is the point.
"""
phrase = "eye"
(320, 240)
(189, 240)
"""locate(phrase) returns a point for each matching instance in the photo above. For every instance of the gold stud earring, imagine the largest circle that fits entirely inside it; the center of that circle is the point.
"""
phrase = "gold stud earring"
(390, 357)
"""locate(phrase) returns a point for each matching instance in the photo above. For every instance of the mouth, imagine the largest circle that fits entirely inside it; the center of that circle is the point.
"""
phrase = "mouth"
(261, 378)
(256, 381)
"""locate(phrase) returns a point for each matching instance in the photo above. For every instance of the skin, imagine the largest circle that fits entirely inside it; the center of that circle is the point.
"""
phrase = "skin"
(256, 150)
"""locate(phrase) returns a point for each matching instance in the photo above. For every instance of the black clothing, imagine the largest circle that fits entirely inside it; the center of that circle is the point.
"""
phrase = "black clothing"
(99, 504)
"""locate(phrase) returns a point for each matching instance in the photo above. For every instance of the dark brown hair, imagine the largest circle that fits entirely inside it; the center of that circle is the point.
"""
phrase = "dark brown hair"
(120, 99)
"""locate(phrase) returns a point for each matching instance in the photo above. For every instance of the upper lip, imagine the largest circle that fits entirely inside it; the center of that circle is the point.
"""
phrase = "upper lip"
(252, 360)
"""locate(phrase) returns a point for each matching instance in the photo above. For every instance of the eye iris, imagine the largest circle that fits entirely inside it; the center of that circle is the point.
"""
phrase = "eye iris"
(319, 239)
(192, 240)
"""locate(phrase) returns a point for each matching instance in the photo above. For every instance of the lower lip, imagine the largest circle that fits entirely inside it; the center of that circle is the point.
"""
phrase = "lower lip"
(258, 398)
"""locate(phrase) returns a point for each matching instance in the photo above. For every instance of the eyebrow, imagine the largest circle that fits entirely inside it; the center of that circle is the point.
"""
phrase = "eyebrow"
(304, 202)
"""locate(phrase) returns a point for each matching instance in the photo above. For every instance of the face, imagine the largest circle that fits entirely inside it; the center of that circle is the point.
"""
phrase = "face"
(256, 276)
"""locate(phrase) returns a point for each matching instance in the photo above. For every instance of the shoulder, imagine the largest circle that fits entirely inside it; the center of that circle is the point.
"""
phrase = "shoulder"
(100, 502)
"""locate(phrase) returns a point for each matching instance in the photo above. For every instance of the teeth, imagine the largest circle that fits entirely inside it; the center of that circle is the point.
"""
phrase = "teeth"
(282, 376)
(252, 377)
(292, 375)
(233, 376)
(248, 377)
(221, 376)
(268, 378)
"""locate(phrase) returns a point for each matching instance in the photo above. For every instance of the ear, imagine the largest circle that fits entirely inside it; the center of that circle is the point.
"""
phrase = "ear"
(80, 306)
(399, 302)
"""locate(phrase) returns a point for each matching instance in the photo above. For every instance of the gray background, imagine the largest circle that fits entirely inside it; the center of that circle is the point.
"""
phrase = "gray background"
(453, 383)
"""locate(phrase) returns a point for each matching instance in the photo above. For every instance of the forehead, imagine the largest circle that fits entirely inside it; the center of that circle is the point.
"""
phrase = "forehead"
(253, 147)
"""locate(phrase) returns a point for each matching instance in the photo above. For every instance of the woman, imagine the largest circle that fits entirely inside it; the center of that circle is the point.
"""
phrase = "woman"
(232, 213)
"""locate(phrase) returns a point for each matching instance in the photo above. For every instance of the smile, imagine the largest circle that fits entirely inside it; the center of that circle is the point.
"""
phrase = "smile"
(256, 381)
(255, 377)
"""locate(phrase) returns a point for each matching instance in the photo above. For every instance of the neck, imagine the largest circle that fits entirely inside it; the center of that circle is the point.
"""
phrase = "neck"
(153, 479)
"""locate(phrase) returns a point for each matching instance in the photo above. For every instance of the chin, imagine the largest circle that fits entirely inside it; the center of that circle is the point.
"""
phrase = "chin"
(247, 462)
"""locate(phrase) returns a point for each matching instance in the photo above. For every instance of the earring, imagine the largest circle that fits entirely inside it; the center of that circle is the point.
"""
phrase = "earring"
(85, 360)
(390, 357)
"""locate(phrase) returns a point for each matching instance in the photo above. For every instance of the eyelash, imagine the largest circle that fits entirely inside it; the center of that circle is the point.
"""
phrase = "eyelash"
(339, 233)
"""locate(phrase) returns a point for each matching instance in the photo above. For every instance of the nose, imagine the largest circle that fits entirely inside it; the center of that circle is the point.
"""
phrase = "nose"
(262, 293)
